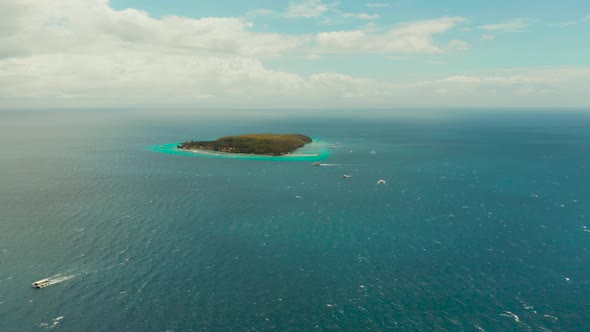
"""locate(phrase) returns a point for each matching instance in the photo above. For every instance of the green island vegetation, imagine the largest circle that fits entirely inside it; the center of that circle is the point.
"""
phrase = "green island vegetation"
(262, 144)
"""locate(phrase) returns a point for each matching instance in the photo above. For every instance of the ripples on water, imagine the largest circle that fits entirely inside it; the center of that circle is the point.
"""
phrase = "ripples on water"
(481, 225)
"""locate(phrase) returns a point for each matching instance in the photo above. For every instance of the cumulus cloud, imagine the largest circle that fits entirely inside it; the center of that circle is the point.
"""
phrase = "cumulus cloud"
(85, 53)
(92, 26)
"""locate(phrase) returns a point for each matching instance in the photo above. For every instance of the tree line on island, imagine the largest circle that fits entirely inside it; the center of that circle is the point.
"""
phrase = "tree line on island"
(262, 144)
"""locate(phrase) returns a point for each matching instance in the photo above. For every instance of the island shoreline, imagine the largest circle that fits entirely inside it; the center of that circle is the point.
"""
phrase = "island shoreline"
(258, 144)
(221, 153)
(316, 151)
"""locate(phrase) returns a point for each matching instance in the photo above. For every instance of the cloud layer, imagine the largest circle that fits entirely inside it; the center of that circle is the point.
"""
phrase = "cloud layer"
(85, 53)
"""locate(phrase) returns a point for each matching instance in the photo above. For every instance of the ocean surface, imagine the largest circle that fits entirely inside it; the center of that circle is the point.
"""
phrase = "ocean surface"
(483, 223)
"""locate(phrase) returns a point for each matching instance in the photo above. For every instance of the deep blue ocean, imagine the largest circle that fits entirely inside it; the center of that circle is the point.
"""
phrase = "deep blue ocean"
(483, 223)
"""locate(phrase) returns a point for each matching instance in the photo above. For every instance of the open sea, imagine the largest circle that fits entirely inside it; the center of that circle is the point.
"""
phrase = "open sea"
(483, 223)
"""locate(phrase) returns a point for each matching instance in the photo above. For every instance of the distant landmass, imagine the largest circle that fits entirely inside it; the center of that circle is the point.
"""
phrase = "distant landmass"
(262, 144)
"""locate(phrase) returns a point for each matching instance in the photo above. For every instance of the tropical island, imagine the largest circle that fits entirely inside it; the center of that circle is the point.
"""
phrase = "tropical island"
(260, 144)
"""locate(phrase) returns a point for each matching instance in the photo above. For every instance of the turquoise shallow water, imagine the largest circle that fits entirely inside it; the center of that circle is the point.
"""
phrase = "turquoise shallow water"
(482, 225)
(314, 151)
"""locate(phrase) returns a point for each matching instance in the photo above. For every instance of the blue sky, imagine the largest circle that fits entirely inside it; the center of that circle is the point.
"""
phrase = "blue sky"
(299, 53)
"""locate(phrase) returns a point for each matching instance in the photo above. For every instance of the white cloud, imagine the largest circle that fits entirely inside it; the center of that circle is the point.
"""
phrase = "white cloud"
(378, 5)
(142, 77)
(85, 53)
(488, 37)
(513, 25)
(458, 45)
(324, 13)
(533, 80)
(362, 16)
(92, 26)
(576, 22)
(261, 12)
(529, 87)
(306, 8)
(341, 39)
(341, 85)
(412, 37)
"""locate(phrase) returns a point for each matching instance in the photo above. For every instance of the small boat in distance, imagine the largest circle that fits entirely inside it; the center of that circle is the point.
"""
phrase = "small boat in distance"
(317, 163)
(381, 181)
(346, 176)
(42, 283)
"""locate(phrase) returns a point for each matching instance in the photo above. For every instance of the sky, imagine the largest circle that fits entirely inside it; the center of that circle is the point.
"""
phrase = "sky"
(294, 54)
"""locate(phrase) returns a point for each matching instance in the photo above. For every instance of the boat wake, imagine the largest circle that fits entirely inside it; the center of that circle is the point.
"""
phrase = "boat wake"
(56, 279)
(349, 165)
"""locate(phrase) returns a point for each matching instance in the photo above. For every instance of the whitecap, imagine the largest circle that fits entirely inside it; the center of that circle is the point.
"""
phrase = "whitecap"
(552, 318)
(510, 314)
(55, 321)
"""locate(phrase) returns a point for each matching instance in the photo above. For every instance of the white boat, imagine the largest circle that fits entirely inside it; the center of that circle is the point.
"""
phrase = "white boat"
(381, 181)
(317, 163)
(42, 283)
(346, 176)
